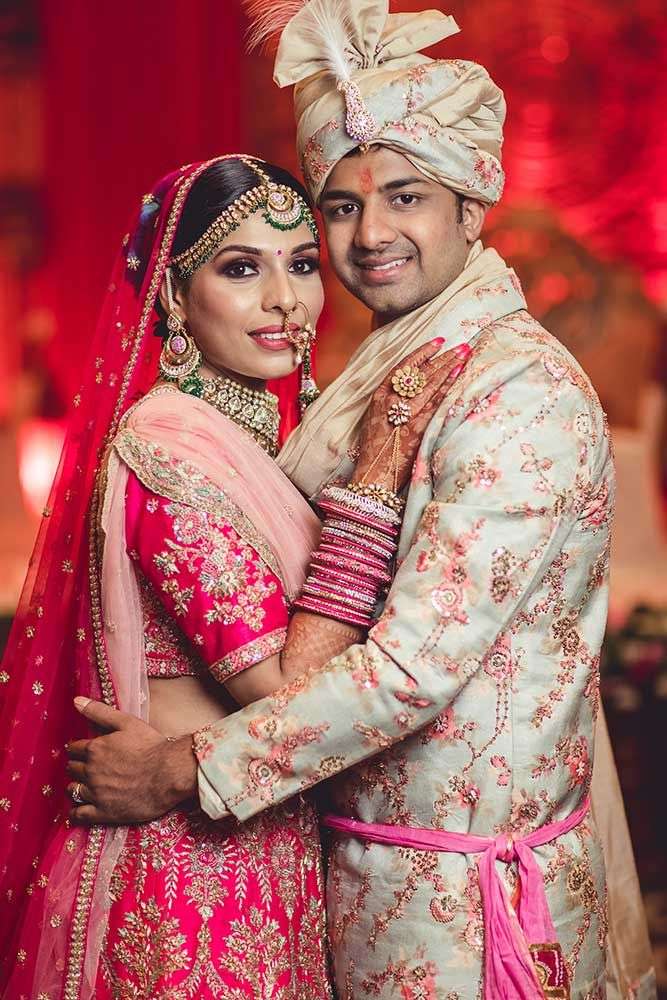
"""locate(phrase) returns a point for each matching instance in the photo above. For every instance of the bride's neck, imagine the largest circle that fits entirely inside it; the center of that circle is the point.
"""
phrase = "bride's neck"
(207, 370)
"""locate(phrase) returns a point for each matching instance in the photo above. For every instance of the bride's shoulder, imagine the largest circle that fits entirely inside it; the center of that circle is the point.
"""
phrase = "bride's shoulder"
(160, 398)
(153, 441)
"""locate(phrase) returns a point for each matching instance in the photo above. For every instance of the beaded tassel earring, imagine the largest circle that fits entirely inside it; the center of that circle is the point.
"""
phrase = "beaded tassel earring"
(308, 391)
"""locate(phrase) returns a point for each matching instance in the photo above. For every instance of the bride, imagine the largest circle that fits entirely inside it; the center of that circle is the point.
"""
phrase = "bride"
(170, 552)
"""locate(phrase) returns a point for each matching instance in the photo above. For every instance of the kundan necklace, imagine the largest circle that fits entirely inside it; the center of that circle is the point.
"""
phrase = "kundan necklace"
(255, 410)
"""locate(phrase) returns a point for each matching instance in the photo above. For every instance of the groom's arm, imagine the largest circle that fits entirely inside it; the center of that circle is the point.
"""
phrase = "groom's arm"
(134, 774)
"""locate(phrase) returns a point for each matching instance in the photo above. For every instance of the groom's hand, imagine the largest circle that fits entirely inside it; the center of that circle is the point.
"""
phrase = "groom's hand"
(131, 774)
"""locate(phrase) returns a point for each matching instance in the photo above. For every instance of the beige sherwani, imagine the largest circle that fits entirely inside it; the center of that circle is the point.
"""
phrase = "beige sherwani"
(471, 707)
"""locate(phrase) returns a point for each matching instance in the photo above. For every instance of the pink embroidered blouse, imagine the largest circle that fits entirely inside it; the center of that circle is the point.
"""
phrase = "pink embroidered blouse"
(208, 598)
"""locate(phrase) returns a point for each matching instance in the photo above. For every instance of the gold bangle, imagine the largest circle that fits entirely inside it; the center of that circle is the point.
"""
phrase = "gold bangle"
(375, 491)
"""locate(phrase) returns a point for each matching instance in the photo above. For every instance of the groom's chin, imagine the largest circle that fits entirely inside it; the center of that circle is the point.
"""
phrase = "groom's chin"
(389, 304)
(385, 302)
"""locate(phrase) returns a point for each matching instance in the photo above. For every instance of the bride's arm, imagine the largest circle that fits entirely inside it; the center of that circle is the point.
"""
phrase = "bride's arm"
(312, 640)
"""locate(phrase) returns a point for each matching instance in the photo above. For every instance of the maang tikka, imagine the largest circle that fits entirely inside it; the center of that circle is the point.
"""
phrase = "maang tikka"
(303, 340)
(180, 357)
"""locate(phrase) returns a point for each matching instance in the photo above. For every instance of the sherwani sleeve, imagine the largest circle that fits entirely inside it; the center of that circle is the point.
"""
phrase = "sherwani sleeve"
(509, 467)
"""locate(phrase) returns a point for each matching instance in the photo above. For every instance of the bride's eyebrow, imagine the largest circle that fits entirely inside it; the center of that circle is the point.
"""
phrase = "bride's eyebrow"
(256, 252)
(240, 248)
(311, 245)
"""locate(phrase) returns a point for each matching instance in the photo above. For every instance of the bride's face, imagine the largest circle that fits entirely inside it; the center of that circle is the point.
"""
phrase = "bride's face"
(234, 305)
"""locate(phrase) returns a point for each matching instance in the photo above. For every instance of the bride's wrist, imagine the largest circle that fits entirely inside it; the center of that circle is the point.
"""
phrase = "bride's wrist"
(379, 490)
(361, 477)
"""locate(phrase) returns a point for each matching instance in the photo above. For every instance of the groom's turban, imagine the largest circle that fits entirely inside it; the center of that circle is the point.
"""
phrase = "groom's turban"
(361, 79)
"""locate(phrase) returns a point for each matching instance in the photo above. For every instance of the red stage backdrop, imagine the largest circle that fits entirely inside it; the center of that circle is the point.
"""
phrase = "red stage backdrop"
(130, 90)
(133, 88)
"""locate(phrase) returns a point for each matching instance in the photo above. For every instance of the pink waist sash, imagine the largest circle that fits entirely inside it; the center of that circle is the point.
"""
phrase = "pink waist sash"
(522, 958)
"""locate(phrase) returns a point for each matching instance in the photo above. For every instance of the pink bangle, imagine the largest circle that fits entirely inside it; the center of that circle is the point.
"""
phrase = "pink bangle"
(348, 561)
(359, 530)
(366, 535)
(352, 500)
(326, 573)
(359, 517)
(365, 545)
(363, 602)
(333, 550)
(331, 611)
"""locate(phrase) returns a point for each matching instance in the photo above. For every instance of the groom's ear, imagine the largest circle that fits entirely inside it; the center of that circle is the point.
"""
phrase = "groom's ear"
(473, 213)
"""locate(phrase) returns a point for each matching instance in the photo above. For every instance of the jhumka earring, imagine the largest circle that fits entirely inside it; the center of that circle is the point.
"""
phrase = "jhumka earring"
(180, 356)
(304, 341)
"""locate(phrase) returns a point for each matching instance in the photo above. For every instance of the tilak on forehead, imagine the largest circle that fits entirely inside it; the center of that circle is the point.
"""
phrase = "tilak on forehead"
(360, 79)
(366, 179)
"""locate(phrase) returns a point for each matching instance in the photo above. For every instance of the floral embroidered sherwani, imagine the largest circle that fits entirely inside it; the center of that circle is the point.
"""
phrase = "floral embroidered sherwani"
(471, 706)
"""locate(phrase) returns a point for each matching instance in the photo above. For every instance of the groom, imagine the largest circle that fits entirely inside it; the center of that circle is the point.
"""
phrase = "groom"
(470, 709)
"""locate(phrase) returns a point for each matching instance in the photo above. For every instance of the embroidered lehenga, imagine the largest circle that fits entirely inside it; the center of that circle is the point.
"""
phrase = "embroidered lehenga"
(195, 544)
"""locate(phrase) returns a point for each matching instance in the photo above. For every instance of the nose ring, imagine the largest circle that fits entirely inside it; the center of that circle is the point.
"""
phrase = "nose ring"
(286, 315)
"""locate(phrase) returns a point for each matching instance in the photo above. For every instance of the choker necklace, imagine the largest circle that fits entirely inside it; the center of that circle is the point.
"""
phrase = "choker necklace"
(255, 410)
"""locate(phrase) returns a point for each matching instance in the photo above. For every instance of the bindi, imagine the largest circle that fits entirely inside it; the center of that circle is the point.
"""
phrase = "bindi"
(366, 180)
(277, 253)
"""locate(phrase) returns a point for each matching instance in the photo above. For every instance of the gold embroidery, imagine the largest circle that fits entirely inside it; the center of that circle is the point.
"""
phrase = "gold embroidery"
(246, 656)
(245, 883)
(82, 905)
(164, 644)
(184, 483)
(229, 571)
(150, 948)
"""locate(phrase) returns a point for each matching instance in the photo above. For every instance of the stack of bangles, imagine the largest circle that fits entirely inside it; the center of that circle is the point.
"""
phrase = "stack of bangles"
(350, 567)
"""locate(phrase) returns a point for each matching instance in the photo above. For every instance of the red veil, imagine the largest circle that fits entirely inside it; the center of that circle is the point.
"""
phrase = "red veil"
(56, 648)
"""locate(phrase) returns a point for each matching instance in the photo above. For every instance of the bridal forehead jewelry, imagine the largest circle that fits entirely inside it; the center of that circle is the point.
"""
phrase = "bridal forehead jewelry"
(282, 207)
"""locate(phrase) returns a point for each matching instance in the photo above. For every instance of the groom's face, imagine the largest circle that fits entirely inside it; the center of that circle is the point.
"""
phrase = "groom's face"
(396, 239)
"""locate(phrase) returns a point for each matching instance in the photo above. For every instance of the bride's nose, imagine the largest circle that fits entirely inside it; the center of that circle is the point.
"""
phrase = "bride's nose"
(279, 292)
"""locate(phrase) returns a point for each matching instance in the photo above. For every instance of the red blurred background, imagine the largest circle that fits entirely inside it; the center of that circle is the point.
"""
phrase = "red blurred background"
(98, 100)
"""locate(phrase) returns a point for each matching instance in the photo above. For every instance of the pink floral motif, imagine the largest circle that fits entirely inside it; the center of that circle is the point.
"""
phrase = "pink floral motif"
(315, 166)
(483, 474)
(415, 79)
(537, 465)
(578, 761)
(420, 471)
(443, 727)
(365, 675)
(488, 172)
(597, 511)
(498, 662)
(265, 772)
(505, 771)
(486, 409)
(571, 752)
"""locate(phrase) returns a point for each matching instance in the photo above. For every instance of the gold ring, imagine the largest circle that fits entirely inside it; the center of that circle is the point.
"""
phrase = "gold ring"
(76, 795)
(408, 382)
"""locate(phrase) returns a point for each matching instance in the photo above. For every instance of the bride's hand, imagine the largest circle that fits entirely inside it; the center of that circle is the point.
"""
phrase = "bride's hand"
(379, 461)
